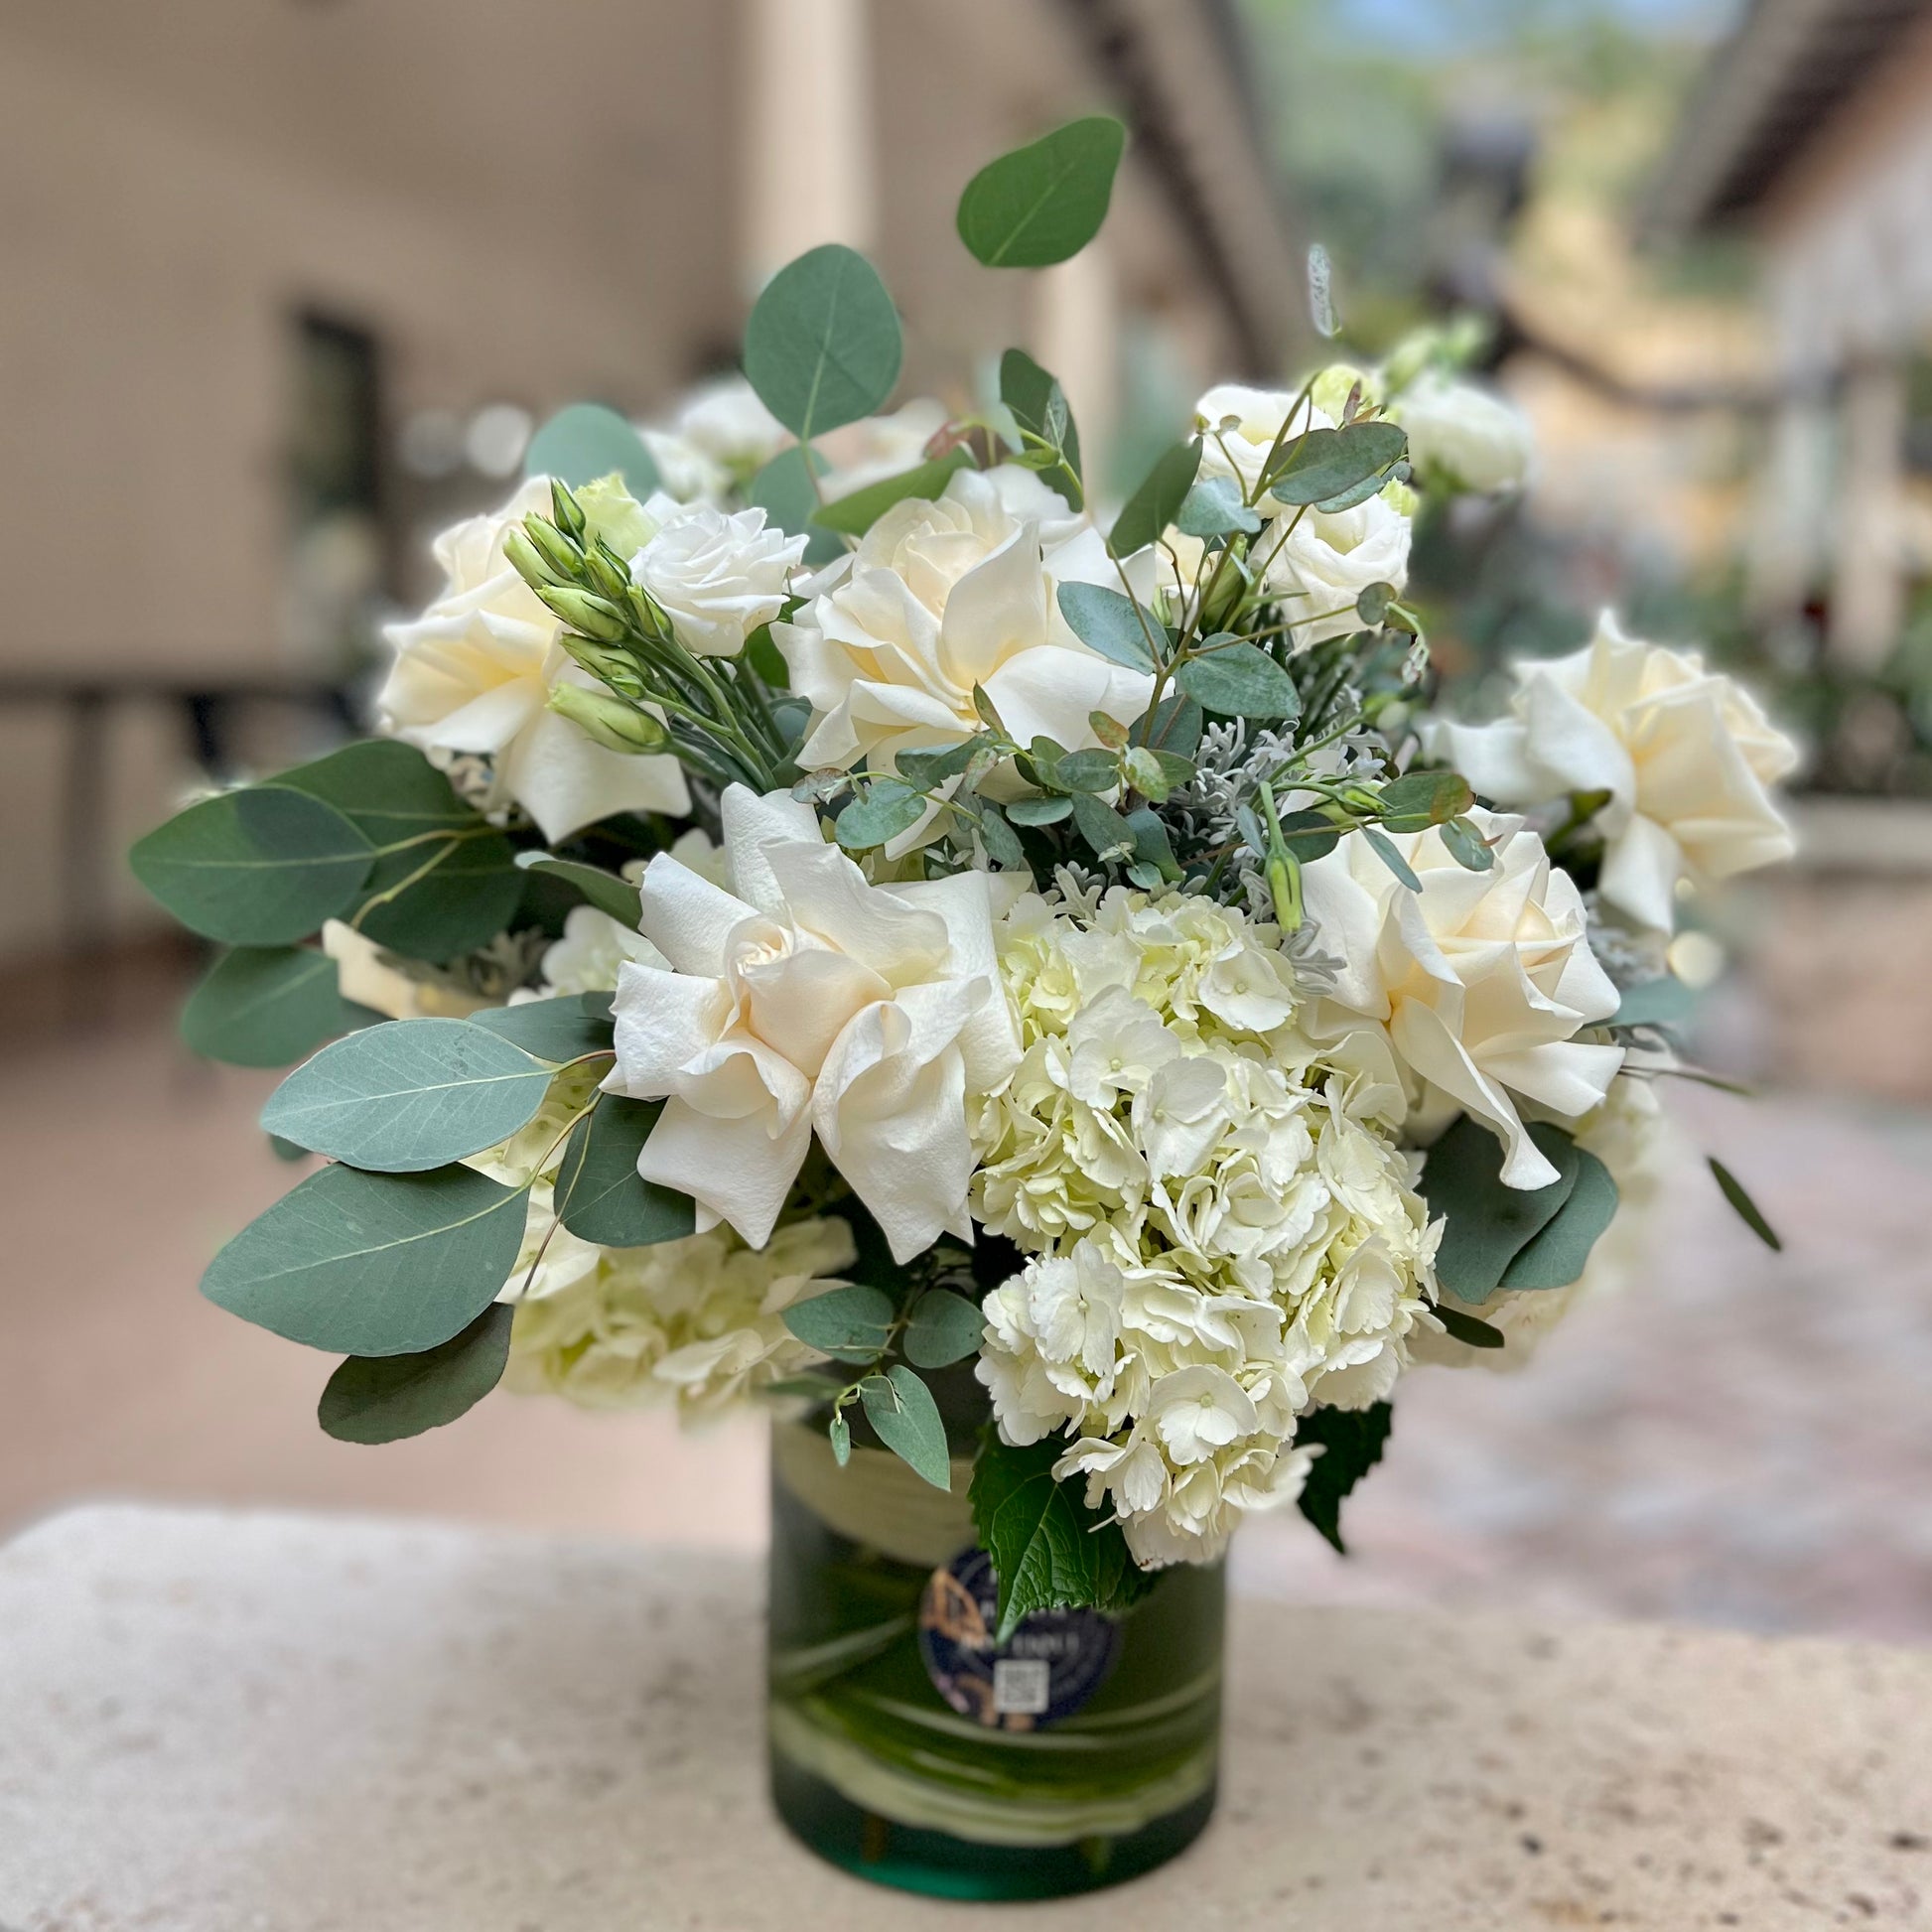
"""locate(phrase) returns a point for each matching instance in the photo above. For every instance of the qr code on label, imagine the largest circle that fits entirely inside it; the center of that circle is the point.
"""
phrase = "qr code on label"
(1021, 1685)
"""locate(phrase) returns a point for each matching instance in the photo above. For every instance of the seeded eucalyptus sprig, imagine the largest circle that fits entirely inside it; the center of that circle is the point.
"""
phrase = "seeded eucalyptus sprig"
(714, 713)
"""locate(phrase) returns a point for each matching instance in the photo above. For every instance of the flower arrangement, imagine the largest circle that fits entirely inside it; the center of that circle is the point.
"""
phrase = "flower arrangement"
(827, 912)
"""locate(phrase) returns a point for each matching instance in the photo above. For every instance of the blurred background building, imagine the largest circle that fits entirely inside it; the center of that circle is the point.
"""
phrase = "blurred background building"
(289, 281)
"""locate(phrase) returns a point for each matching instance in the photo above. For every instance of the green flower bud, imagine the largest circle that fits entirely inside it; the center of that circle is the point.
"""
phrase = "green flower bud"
(526, 560)
(563, 561)
(612, 515)
(595, 616)
(608, 720)
(608, 664)
(1285, 888)
(606, 573)
(564, 509)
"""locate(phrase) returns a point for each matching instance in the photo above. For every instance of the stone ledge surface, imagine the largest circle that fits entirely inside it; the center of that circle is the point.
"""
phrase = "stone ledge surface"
(218, 1723)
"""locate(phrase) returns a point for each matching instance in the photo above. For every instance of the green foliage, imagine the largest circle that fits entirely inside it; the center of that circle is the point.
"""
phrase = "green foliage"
(905, 1419)
(1513, 1237)
(1039, 811)
(822, 347)
(385, 1398)
(1157, 500)
(885, 810)
(1554, 1255)
(586, 441)
(851, 1325)
(409, 1095)
(784, 491)
(1214, 508)
(1420, 799)
(1103, 828)
(444, 880)
(1050, 1551)
(1002, 842)
(1240, 681)
(569, 1027)
(1175, 725)
(857, 513)
(1326, 463)
(265, 1006)
(1043, 203)
(604, 890)
(601, 1197)
(1110, 622)
(1466, 1328)
(1050, 439)
(373, 1264)
(1747, 1209)
(1466, 844)
(1384, 850)
(264, 867)
(1308, 836)
(1351, 1443)
(945, 1328)
(1662, 1001)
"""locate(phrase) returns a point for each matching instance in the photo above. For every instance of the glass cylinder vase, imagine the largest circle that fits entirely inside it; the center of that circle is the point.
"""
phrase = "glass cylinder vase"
(910, 1749)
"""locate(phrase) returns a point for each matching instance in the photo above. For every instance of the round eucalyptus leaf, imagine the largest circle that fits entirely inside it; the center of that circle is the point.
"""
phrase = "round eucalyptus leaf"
(263, 866)
(822, 347)
(1043, 203)
(385, 1398)
(601, 1197)
(1240, 681)
(264, 1006)
(374, 1264)
(586, 441)
(409, 1095)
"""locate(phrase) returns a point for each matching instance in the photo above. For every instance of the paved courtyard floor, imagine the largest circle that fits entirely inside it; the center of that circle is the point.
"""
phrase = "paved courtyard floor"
(1737, 1438)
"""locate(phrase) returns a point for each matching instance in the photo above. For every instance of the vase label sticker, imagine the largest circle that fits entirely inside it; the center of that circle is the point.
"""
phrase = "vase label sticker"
(1046, 1670)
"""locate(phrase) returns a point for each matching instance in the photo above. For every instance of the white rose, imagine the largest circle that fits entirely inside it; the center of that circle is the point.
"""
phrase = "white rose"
(1321, 561)
(475, 673)
(804, 999)
(1685, 754)
(939, 597)
(1239, 427)
(1470, 437)
(718, 576)
(722, 419)
(1479, 982)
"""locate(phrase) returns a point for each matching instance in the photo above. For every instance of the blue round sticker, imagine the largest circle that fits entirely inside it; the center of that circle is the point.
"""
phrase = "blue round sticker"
(1046, 1670)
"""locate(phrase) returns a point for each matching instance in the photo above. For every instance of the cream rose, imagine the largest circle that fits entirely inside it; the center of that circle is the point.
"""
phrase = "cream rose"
(1321, 561)
(941, 596)
(801, 1000)
(475, 673)
(1685, 754)
(717, 576)
(1468, 436)
(1479, 983)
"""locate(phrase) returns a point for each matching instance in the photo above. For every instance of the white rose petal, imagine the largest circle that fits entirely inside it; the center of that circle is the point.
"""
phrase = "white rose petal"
(718, 576)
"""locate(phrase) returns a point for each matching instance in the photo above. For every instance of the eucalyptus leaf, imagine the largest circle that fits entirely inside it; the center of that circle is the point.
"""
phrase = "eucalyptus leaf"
(1556, 1254)
(1043, 203)
(856, 513)
(1151, 846)
(1214, 508)
(374, 1264)
(1103, 828)
(1384, 849)
(264, 867)
(265, 1006)
(783, 490)
(1176, 725)
(408, 1096)
(426, 896)
(1352, 1441)
(586, 441)
(1157, 503)
(822, 347)
(851, 1325)
(1662, 1001)
(1112, 623)
(1050, 440)
(1039, 811)
(1308, 835)
(1002, 842)
(1050, 1549)
(1090, 769)
(386, 1398)
(1489, 1224)
(882, 813)
(905, 1419)
(615, 896)
(838, 1433)
(945, 1328)
(1324, 462)
(569, 1027)
(1469, 1329)
(1240, 681)
(1420, 799)
(1466, 844)
(927, 768)
(600, 1195)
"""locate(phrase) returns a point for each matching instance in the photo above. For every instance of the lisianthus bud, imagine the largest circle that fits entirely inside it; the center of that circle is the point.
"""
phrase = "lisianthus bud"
(528, 561)
(608, 664)
(562, 559)
(608, 720)
(595, 616)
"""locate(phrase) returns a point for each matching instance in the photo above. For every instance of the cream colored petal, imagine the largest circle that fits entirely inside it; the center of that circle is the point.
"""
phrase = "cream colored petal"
(736, 1171)
(688, 919)
(565, 783)
(1641, 867)
(752, 821)
(1421, 1039)
(664, 1021)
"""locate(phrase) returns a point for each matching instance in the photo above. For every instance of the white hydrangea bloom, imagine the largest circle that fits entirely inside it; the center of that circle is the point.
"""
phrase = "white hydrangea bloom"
(1468, 436)
(719, 576)
(586, 958)
(696, 1322)
(1223, 1241)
